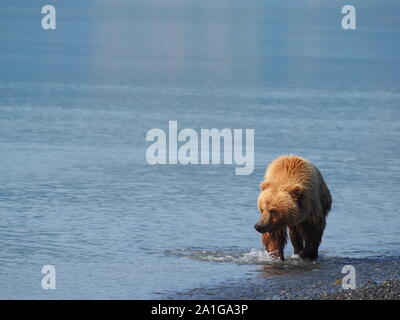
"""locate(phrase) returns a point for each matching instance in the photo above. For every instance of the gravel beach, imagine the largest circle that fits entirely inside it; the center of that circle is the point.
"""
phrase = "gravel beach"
(386, 290)
(376, 279)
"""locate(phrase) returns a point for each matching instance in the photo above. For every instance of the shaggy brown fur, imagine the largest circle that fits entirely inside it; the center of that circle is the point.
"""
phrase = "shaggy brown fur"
(294, 196)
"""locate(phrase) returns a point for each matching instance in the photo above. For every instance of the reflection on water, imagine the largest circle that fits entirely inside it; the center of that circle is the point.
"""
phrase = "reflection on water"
(76, 104)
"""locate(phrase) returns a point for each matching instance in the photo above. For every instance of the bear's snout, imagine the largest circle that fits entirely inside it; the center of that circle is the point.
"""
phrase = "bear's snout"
(262, 228)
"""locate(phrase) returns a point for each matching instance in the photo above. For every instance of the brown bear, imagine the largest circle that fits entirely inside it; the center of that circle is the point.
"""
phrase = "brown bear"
(294, 196)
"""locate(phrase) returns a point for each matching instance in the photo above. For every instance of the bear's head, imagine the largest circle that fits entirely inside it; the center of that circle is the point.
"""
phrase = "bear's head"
(279, 206)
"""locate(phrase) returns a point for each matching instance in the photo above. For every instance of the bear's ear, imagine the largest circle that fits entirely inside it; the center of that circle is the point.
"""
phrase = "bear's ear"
(296, 191)
(264, 185)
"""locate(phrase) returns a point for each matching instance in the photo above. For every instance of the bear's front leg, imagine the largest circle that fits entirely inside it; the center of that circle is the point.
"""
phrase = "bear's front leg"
(296, 239)
(309, 253)
(312, 238)
(275, 242)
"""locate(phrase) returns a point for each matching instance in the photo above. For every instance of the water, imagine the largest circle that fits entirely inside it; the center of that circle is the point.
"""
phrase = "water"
(76, 191)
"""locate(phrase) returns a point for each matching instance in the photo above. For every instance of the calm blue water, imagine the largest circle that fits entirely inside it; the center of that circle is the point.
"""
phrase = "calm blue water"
(76, 103)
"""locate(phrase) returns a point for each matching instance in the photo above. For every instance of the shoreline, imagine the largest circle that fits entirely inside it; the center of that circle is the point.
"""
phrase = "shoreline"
(377, 278)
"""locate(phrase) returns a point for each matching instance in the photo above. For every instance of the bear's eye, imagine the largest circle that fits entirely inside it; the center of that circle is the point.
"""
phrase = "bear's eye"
(273, 212)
